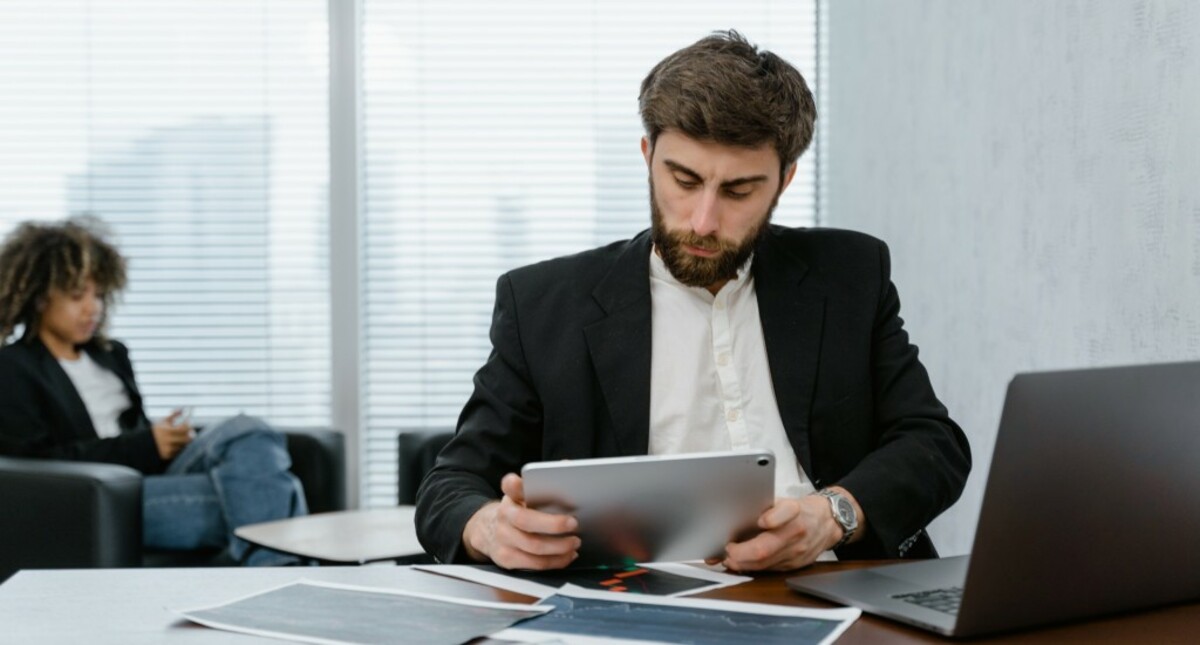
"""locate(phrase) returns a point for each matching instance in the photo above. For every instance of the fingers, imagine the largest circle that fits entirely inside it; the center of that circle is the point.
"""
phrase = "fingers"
(176, 435)
(532, 521)
(169, 439)
(175, 423)
(528, 539)
(527, 519)
(784, 511)
(790, 540)
(782, 539)
(536, 544)
(180, 417)
(788, 558)
(515, 537)
(511, 558)
(176, 441)
(757, 553)
(513, 487)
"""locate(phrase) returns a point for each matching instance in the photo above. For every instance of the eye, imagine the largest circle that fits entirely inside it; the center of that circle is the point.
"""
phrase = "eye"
(736, 194)
(686, 184)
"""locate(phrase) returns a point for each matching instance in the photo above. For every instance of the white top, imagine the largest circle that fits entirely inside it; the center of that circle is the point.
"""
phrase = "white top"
(102, 392)
(710, 383)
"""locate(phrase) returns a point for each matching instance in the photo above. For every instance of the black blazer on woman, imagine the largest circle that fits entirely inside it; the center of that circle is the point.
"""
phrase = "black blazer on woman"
(42, 415)
(569, 378)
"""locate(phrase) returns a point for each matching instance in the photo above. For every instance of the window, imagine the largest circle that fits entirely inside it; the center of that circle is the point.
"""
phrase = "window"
(490, 135)
(493, 139)
(198, 132)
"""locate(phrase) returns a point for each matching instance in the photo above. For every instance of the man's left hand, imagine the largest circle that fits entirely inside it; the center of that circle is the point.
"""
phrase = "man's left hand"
(795, 532)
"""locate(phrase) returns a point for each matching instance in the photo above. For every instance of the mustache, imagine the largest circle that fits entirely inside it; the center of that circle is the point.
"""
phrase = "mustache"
(702, 242)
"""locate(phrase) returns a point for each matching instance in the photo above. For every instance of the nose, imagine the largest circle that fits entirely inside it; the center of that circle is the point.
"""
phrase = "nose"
(705, 217)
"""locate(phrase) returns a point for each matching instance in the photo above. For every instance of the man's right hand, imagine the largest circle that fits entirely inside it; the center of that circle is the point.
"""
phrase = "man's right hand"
(515, 537)
(170, 436)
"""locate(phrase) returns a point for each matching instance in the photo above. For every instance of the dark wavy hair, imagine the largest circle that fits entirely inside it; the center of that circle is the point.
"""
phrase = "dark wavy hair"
(38, 257)
(723, 89)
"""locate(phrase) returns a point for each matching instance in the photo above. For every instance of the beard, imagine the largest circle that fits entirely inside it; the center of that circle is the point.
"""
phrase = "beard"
(696, 271)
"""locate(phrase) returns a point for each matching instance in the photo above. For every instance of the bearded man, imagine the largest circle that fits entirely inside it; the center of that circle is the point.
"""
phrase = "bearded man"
(714, 330)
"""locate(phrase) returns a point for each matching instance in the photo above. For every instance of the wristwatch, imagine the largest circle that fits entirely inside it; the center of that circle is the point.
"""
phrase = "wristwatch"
(843, 514)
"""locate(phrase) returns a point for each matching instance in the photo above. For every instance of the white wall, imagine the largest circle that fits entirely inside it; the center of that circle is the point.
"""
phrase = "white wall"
(1035, 167)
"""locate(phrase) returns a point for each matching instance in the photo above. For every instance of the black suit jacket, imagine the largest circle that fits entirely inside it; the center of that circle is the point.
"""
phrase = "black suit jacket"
(42, 415)
(569, 378)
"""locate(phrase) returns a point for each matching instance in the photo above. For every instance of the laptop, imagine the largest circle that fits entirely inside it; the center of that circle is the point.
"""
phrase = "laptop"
(1092, 507)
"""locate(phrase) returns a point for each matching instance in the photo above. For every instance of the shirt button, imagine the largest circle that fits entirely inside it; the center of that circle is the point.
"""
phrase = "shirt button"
(722, 359)
(719, 305)
(732, 415)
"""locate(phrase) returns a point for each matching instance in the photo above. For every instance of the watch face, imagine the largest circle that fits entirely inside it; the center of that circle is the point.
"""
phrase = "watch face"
(845, 510)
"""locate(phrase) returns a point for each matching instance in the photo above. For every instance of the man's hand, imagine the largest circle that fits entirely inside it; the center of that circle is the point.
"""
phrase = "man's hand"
(170, 436)
(515, 537)
(795, 533)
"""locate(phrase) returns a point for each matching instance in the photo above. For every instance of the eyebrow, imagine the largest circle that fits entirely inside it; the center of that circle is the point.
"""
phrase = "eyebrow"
(678, 167)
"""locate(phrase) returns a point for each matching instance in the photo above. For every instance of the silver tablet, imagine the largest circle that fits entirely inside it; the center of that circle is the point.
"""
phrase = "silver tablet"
(656, 508)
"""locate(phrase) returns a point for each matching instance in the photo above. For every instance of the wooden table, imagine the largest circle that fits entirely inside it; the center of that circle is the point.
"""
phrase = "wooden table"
(129, 606)
(344, 537)
(1176, 624)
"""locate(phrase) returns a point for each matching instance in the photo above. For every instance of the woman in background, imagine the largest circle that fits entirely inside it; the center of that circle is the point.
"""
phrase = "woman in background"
(68, 392)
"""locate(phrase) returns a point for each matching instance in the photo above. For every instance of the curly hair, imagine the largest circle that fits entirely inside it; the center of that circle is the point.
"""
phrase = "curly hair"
(723, 89)
(38, 257)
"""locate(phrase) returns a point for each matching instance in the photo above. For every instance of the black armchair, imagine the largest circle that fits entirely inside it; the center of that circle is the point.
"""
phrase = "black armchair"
(416, 453)
(68, 514)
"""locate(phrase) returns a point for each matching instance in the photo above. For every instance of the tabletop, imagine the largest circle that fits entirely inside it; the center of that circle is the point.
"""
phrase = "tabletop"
(132, 606)
(343, 537)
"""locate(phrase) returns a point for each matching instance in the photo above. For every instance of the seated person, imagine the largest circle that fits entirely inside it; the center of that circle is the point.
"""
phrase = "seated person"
(714, 330)
(68, 392)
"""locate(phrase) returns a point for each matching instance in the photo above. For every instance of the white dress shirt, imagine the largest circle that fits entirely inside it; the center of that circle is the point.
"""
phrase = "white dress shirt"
(710, 383)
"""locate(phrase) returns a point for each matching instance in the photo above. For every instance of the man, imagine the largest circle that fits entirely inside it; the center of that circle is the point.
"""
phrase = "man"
(714, 330)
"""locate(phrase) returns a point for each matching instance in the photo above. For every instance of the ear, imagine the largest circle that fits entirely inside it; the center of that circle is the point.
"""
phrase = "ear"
(788, 176)
(647, 151)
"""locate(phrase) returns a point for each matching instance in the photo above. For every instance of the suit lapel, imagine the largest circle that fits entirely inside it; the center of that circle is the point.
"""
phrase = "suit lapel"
(63, 390)
(791, 306)
(620, 345)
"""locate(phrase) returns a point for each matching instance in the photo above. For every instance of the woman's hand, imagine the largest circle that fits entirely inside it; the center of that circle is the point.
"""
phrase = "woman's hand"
(171, 435)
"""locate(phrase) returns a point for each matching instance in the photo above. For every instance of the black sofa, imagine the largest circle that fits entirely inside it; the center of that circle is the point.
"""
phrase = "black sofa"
(68, 514)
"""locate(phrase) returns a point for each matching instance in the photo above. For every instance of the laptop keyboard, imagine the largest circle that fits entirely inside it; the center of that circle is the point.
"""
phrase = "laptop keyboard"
(944, 600)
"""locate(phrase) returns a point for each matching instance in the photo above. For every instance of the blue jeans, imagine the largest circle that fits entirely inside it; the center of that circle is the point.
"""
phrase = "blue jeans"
(231, 474)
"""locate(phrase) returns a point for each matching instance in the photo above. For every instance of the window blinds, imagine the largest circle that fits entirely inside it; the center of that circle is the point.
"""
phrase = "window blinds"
(492, 135)
(198, 132)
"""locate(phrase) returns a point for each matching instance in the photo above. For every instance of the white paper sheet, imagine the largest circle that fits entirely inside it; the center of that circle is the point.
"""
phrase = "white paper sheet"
(493, 577)
(696, 619)
(320, 612)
